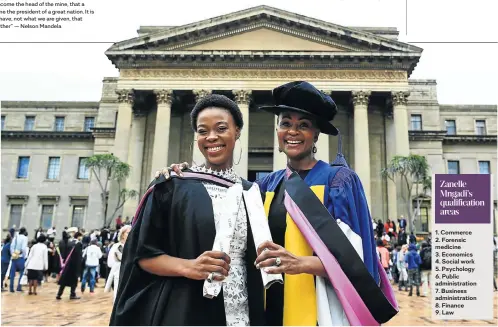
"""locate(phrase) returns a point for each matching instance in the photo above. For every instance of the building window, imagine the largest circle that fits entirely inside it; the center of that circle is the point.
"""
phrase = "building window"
(450, 127)
(453, 167)
(83, 171)
(15, 215)
(78, 216)
(3, 123)
(29, 123)
(54, 165)
(424, 219)
(89, 123)
(484, 167)
(416, 122)
(59, 124)
(480, 127)
(47, 216)
(22, 167)
(253, 175)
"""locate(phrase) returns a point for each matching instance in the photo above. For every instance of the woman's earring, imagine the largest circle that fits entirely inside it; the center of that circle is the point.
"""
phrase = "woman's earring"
(314, 149)
(240, 154)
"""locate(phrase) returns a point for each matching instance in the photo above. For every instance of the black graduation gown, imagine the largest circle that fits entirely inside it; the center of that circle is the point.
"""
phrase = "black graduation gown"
(62, 253)
(72, 270)
(56, 265)
(176, 219)
(105, 235)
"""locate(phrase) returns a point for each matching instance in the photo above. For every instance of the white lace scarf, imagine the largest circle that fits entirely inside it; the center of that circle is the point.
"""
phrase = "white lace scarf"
(233, 207)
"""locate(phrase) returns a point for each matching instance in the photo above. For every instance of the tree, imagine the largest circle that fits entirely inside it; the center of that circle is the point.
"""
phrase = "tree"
(410, 172)
(108, 168)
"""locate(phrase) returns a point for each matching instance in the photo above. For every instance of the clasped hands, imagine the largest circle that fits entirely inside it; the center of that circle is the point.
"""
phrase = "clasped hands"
(273, 258)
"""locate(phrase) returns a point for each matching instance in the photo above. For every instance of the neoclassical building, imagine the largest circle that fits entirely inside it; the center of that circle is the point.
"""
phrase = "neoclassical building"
(143, 115)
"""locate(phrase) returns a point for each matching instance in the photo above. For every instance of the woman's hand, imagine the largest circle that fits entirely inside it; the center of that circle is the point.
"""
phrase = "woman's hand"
(268, 252)
(177, 168)
(209, 262)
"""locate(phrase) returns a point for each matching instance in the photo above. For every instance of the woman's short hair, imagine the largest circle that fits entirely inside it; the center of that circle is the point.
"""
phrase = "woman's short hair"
(218, 101)
(41, 239)
(123, 230)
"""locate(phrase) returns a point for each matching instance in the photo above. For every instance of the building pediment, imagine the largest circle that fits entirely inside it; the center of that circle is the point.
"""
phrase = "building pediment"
(262, 17)
(260, 32)
(264, 38)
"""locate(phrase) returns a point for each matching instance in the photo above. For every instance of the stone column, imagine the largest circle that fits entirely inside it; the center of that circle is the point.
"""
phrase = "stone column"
(161, 133)
(322, 145)
(390, 137)
(241, 151)
(123, 124)
(120, 149)
(135, 159)
(197, 157)
(361, 140)
(400, 112)
(279, 158)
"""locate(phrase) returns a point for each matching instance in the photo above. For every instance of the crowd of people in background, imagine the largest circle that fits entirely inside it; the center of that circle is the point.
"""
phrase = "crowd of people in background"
(407, 262)
(408, 259)
(73, 256)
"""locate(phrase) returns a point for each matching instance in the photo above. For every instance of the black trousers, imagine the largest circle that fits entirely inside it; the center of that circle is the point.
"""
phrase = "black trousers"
(5, 266)
(61, 290)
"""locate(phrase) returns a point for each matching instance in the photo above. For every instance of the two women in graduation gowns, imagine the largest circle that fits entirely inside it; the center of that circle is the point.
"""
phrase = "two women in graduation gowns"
(317, 209)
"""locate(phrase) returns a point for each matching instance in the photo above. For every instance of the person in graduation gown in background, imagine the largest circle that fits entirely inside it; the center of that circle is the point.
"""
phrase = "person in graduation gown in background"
(169, 264)
(330, 199)
(71, 252)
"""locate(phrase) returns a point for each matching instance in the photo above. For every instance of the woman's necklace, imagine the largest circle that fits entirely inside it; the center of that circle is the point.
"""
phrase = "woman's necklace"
(228, 173)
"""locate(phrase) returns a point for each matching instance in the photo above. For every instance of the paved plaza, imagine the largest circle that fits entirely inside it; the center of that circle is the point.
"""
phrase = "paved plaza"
(94, 309)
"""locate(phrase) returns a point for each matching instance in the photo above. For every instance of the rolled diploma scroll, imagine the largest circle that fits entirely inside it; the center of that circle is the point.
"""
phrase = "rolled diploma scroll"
(260, 228)
(224, 234)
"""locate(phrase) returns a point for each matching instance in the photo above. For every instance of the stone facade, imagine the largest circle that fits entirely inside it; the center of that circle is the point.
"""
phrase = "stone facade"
(143, 116)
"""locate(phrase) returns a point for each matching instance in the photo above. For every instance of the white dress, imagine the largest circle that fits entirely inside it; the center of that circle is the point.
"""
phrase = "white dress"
(235, 285)
(113, 276)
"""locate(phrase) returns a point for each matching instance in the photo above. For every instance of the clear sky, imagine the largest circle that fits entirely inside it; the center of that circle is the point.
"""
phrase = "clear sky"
(466, 73)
